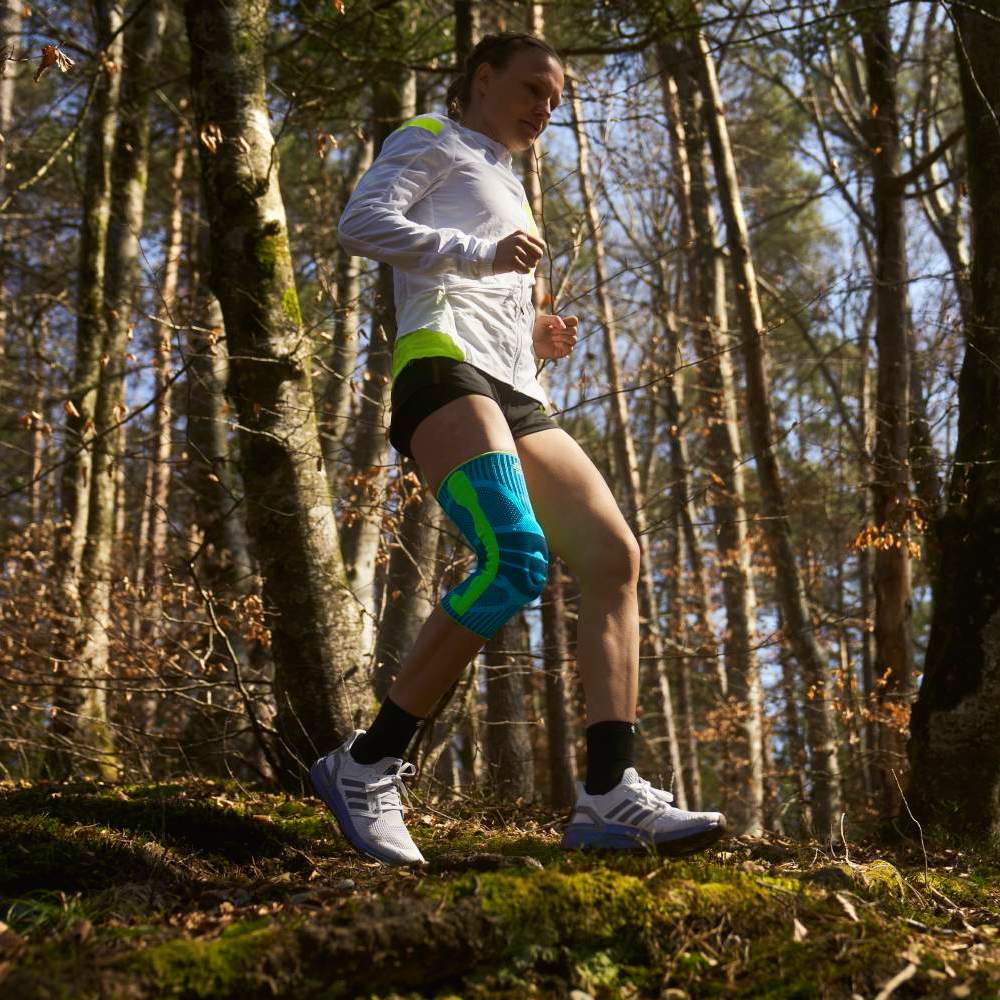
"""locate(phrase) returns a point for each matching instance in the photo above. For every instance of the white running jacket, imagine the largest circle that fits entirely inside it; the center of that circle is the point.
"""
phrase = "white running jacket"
(434, 204)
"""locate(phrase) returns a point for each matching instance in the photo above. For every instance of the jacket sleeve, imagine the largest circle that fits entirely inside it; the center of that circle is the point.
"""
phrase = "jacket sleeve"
(411, 162)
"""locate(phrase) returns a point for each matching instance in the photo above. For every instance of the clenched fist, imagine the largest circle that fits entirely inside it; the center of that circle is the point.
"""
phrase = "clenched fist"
(518, 252)
(554, 336)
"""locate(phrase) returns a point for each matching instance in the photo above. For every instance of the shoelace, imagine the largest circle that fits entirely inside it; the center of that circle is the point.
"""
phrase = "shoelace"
(652, 795)
(387, 788)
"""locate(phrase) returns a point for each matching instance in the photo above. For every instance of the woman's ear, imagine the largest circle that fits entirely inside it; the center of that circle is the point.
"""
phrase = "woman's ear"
(481, 78)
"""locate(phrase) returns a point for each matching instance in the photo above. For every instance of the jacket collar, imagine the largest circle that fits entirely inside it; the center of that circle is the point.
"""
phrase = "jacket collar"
(498, 149)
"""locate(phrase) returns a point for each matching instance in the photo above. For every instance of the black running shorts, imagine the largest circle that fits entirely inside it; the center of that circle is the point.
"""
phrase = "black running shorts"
(424, 384)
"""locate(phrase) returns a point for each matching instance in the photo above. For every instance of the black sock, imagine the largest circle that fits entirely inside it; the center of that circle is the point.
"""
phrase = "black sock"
(387, 736)
(610, 749)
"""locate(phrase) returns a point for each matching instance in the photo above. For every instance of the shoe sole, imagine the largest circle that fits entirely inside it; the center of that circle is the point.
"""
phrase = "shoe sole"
(583, 836)
(335, 803)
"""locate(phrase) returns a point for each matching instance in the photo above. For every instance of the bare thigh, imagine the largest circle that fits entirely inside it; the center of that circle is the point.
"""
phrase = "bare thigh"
(573, 503)
(456, 432)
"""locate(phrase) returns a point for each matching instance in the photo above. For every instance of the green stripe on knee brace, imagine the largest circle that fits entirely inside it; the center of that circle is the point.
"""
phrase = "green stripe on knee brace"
(487, 498)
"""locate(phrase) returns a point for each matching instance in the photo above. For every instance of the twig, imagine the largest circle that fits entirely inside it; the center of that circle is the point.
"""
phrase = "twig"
(915, 820)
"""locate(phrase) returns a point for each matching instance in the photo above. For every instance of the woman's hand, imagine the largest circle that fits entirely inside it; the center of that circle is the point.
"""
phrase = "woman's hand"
(553, 336)
(518, 252)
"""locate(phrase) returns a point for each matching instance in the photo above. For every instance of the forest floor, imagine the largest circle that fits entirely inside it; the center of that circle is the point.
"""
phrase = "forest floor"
(208, 889)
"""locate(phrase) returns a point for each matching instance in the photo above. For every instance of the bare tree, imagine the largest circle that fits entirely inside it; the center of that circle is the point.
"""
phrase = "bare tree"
(82, 397)
(791, 592)
(316, 627)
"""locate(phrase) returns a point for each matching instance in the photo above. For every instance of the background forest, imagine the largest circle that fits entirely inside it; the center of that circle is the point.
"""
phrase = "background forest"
(780, 229)
(212, 559)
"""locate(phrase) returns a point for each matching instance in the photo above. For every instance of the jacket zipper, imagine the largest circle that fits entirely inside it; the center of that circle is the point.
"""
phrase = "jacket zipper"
(517, 353)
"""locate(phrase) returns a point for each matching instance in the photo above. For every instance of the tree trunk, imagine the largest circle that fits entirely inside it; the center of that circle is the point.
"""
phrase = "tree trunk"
(791, 593)
(510, 771)
(393, 102)
(558, 716)
(795, 753)
(128, 191)
(153, 542)
(409, 579)
(316, 626)
(40, 349)
(466, 28)
(891, 480)
(739, 682)
(866, 608)
(335, 406)
(71, 535)
(953, 749)
(222, 560)
(10, 30)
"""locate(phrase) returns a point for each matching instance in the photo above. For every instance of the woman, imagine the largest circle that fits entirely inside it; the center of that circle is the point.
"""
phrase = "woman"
(442, 205)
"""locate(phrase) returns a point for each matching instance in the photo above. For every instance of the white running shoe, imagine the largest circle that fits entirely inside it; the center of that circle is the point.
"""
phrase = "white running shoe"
(364, 799)
(635, 815)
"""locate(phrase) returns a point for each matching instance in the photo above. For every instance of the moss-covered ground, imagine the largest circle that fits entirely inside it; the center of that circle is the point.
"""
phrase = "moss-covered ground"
(206, 889)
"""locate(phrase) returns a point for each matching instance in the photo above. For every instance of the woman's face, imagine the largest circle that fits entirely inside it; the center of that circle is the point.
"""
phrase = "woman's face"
(514, 104)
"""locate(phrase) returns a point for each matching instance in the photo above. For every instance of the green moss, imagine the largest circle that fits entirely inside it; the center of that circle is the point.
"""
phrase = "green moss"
(612, 925)
(462, 840)
(290, 306)
(267, 247)
(204, 968)
(981, 887)
(846, 958)
(880, 876)
(171, 818)
(538, 909)
(41, 853)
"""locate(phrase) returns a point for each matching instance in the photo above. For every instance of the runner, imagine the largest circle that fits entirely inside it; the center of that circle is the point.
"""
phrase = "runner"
(443, 205)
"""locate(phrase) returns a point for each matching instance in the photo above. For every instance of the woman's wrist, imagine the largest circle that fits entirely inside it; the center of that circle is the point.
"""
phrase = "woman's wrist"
(481, 265)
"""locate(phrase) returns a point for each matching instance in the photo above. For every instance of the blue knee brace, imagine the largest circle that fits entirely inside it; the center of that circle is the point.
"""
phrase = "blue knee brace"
(487, 497)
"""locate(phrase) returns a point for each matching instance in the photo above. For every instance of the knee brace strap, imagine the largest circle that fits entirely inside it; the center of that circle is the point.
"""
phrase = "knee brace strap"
(487, 497)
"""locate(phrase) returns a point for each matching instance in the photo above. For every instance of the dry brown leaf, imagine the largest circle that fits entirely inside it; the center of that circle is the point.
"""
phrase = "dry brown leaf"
(48, 60)
(52, 55)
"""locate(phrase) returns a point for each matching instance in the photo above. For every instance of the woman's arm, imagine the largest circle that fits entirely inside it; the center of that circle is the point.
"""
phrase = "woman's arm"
(411, 162)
